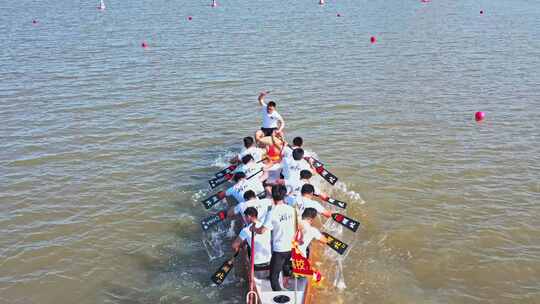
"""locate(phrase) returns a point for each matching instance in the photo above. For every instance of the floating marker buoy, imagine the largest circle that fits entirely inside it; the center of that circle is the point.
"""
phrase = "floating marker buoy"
(101, 5)
(144, 44)
(321, 2)
(479, 116)
(481, 12)
(214, 3)
(339, 15)
(34, 21)
(189, 18)
(373, 39)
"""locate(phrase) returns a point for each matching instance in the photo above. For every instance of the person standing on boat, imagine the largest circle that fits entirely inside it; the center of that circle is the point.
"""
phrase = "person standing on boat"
(308, 232)
(272, 121)
(281, 220)
(263, 248)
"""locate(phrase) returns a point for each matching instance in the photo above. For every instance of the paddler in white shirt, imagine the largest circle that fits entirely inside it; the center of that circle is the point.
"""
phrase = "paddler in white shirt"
(242, 184)
(306, 201)
(281, 220)
(294, 187)
(251, 200)
(250, 167)
(249, 148)
(309, 233)
(291, 167)
(298, 142)
(262, 246)
(272, 121)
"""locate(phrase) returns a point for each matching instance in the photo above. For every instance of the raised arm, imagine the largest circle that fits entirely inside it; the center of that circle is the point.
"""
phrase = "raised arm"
(261, 98)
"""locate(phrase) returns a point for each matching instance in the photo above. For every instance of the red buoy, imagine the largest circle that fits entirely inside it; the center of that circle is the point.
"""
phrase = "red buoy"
(189, 18)
(144, 44)
(373, 39)
(481, 12)
(339, 15)
(479, 116)
(34, 21)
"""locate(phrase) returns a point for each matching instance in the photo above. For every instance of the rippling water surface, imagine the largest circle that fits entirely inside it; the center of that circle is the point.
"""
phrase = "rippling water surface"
(106, 146)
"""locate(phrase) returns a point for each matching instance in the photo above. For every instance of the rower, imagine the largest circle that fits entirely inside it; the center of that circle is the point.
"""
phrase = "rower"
(242, 184)
(293, 166)
(294, 187)
(249, 166)
(306, 201)
(272, 121)
(249, 148)
(308, 232)
(281, 221)
(251, 200)
(263, 248)
(298, 142)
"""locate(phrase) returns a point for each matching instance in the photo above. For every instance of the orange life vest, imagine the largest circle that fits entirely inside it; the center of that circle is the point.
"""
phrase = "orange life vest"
(274, 154)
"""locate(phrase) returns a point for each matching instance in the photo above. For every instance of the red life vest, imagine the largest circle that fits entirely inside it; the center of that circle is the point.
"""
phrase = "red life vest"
(274, 154)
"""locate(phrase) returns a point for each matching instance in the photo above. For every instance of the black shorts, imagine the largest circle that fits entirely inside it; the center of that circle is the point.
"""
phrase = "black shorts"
(268, 131)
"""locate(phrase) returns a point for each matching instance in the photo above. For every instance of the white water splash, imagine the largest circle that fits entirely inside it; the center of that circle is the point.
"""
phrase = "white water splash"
(222, 160)
(342, 188)
(339, 280)
(213, 245)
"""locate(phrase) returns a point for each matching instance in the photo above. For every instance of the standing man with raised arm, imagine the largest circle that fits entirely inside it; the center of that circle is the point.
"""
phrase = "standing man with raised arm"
(272, 121)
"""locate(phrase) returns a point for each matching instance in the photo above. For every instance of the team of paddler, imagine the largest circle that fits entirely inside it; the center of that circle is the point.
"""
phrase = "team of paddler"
(275, 198)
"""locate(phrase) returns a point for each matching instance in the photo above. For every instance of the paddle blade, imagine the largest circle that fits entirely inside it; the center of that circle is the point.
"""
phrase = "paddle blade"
(327, 175)
(216, 181)
(337, 203)
(227, 170)
(348, 222)
(336, 244)
(212, 200)
(219, 276)
(213, 220)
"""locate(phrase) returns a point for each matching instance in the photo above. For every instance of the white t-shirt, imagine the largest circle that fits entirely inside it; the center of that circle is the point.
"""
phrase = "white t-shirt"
(256, 153)
(291, 168)
(302, 203)
(250, 169)
(263, 248)
(287, 152)
(255, 184)
(270, 120)
(262, 206)
(274, 173)
(238, 190)
(281, 220)
(294, 187)
(310, 233)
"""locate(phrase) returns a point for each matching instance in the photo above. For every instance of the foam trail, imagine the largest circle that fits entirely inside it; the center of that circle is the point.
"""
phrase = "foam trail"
(222, 160)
